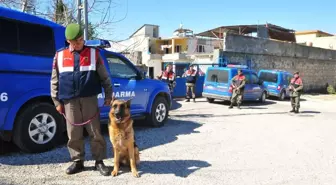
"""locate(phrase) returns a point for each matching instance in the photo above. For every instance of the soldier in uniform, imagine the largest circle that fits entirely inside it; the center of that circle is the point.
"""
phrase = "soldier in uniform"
(295, 90)
(191, 77)
(168, 76)
(78, 75)
(238, 84)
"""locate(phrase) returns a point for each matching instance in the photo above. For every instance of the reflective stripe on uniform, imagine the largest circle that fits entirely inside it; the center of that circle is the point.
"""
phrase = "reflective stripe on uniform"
(61, 59)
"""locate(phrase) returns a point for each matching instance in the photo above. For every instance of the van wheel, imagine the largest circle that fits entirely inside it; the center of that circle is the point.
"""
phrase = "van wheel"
(210, 100)
(159, 112)
(262, 99)
(38, 128)
(282, 96)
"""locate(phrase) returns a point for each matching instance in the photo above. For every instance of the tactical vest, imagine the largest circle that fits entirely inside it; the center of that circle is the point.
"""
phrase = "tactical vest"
(296, 83)
(77, 73)
(191, 76)
(238, 81)
(167, 77)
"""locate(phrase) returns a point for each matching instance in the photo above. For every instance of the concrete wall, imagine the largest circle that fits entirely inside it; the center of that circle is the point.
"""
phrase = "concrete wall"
(207, 43)
(317, 66)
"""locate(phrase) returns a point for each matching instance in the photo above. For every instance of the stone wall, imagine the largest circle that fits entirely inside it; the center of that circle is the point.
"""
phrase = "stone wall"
(317, 66)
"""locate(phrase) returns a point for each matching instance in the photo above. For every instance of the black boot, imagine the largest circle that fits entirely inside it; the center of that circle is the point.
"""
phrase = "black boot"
(75, 167)
(100, 166)
(231, 106)
(188, 100)
(238, 106)
(293, 110)
(297, 111)
(194, 100)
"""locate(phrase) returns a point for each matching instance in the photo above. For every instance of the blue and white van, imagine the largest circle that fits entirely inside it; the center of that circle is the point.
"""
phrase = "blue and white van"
(276, 82)
(28, 116)
(217, 84)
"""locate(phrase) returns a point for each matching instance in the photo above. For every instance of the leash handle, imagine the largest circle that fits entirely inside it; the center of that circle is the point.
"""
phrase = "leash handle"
(83, 123)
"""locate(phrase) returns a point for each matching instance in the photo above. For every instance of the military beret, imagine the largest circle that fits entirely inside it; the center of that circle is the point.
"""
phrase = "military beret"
(73, 31)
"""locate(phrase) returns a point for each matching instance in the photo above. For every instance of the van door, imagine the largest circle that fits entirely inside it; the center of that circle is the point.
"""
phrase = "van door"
(217, 82)
(248, 86)
(125, 85)
(256, 90)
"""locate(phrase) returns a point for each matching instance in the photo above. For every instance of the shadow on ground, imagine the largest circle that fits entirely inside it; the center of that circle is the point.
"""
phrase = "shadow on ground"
(145, 137)
(180, 168)
(175, 105)
(247, 103)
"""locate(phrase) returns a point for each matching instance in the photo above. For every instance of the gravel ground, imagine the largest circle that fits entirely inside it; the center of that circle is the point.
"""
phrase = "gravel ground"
(206, 143)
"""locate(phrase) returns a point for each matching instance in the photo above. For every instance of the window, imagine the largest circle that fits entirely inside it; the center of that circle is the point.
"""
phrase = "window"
(269, 77)
(289, 78)
(26, 38)
(254, 79)
(8, 36)
(223, 76)
(247, 78)
(177, 49)
(119, 68)
(212, 76)
(284, 79)
(200, 49)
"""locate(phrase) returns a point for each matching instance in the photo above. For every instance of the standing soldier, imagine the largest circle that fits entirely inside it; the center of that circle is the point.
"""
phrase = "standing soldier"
(78, 75)
(168, 76)
(191, 75)
(238, 85)
(295, 88)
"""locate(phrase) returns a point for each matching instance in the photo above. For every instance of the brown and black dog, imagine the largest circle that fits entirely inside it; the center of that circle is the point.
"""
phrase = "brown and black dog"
(122, 137)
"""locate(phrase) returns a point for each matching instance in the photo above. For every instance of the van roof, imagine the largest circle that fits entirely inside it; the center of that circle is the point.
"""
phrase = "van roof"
(229, 68)
(25, 17)
(274, 70)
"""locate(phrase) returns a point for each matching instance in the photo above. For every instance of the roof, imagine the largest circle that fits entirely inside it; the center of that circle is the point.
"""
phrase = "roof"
(18, 15)
(275, 32)
(244, 29)
(141, 28)
(312, 32)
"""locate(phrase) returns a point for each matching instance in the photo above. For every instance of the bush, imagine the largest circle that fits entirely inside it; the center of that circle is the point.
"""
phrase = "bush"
(330, 89)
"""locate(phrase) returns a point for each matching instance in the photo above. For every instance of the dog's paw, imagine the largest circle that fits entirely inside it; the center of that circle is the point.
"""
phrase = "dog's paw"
(135, 174)
(114, 173)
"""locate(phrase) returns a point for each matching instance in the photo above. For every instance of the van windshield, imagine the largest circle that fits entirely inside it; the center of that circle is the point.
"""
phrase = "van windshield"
(268, 77)
(220, 76)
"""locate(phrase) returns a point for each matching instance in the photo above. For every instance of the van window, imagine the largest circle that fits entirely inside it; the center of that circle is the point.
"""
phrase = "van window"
(26, 38)
(254, 79)
(220, 76)
(223, 76)
(212, 76)
(268, 77)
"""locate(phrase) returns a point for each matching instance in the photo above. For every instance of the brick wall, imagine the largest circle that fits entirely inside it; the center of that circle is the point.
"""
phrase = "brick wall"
(317, 66)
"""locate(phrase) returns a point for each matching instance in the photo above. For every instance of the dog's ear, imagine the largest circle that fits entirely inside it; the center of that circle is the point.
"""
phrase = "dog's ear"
(128, 103)
(113, 99)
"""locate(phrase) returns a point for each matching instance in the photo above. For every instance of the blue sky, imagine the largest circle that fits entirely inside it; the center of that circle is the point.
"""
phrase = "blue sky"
(200, 15)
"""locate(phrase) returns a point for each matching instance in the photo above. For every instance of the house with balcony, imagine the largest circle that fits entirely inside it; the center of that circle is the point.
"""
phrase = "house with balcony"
(146, 47)
(140, 48)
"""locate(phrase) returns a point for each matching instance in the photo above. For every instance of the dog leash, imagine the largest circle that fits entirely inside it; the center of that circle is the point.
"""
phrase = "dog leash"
(83, 123)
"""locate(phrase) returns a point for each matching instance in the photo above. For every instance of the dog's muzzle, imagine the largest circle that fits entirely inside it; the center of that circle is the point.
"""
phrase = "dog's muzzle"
(118, 115)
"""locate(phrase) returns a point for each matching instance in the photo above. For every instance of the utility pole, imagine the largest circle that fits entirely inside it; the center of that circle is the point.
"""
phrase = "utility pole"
(79, 12)
(86, 21)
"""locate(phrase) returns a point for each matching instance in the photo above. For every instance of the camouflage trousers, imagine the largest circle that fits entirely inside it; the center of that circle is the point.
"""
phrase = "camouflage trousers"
(295, 102)
(190, 88)
(295, 99)
(237, 97)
